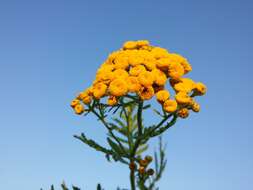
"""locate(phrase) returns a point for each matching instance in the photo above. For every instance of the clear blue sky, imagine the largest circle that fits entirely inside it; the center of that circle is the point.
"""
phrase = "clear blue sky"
(50, 50)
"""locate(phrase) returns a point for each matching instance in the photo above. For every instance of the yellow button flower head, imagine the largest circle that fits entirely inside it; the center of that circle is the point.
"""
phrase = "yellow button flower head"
(146, 78)
(146, 93)
(84, 96)
(182, 98)
(99, 90)
(158, 52)
(118, 87)
(133, 84)
(136, 70)
(112, 100)
(185, 85)
(170, 106)
(130, 45)
(75, 102)
(162, 96)
(183, 113)
(135, 60)
(159, 77)
(175, 70)
(120, 73)
(200, 88)
(121, 62)
(186, 65)
(195, 107)
(141, 43)
(79, 109)
(163, 63)
(150, 64)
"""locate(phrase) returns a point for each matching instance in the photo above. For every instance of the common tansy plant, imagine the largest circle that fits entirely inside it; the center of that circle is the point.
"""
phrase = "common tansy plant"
(120, 93)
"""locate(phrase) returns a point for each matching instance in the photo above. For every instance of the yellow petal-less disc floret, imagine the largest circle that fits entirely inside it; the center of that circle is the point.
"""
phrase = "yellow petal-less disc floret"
(170, 106)
(162, 96)
(118, 87)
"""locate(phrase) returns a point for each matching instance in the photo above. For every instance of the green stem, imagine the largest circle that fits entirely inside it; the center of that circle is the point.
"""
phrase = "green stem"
(132, 180)
(110, 130)
(139, 117)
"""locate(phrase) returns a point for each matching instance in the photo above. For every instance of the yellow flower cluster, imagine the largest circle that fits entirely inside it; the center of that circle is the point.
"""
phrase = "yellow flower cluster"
(144, 70)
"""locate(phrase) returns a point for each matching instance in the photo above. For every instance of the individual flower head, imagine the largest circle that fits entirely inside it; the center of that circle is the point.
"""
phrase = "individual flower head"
(186, 65)
(136, 70)
(170, 106)
(176, 70)
(133, 84)
(200, 88)
(195, 107)
(146, 78)
(130, 45)
(185, 85)
(159, 77)
(162, 96)
(135, 59)
(121, 62)
(120, 73)
(85, 97)
(79, 109)
(141, 43)
(158, 52)
(163, 63)
(118, 87)
(183, 98)
(112, 100)
(74, 103)
(183, 113)
(99, 90)
(146, 93)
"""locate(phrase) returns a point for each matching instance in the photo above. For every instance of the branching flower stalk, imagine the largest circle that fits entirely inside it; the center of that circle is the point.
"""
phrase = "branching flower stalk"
(120, 96)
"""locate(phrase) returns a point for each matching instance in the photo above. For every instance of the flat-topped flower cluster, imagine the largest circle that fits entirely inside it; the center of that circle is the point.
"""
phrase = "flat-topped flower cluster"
(144, 70)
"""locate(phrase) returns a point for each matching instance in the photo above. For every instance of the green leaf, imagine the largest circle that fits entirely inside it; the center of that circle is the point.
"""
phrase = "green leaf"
(146, 107)
(142, 149)
(157, 112)
(119, 122)
(75, 188)
(64, 187)
(114, 146)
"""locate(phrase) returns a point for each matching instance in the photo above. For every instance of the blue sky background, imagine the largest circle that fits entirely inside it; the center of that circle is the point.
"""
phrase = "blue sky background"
(50, 50)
